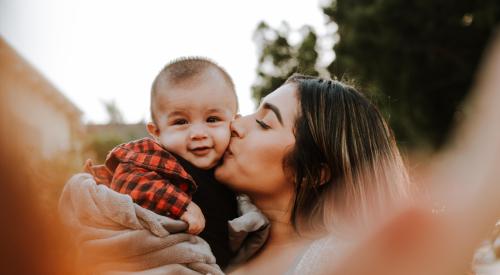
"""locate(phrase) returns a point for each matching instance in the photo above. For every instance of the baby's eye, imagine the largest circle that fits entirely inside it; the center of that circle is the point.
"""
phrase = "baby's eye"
(213, 119)
(179, 121)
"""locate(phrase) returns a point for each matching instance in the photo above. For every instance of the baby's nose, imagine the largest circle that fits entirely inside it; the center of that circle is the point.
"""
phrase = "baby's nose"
(198, 132)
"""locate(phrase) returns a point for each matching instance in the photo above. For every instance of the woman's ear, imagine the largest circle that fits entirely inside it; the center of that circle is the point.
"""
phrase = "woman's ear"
(326, 174)
(153, 131)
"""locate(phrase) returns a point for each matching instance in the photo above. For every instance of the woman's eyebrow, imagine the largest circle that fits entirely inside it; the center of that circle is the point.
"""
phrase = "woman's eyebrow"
(275, 110)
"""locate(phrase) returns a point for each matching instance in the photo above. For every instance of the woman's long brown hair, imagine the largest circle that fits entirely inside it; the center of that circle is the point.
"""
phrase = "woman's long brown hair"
(345, 161)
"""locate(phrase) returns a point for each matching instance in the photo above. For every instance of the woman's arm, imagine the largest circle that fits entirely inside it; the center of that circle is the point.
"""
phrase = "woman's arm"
(115, 235)
(465, 177)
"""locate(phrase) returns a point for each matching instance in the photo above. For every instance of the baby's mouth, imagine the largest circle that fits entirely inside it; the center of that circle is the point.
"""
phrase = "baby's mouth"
(201, 151)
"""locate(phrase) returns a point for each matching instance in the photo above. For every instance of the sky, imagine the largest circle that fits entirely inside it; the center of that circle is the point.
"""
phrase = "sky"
(102, 50)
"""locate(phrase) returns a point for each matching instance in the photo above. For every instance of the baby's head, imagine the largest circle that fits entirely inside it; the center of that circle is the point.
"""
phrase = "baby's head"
(193, 101)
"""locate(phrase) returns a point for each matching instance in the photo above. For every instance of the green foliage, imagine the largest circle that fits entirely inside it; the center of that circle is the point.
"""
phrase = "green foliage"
(279, 58)
(421, 57)
(98, 145)
(114, 113)
(416, 59)
(102, 138)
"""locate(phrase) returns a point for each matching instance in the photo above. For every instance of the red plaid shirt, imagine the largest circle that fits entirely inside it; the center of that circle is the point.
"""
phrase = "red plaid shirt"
(149, 174)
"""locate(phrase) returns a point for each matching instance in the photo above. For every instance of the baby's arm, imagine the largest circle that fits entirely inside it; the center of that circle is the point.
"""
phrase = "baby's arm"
(150, 190)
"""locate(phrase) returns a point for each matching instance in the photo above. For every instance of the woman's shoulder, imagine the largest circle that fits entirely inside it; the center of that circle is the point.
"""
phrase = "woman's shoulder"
(329, 248)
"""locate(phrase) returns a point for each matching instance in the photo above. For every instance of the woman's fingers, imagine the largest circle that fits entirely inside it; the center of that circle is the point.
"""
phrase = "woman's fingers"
(204, 268)
(126, 244)
(167, 269)
(180, 253)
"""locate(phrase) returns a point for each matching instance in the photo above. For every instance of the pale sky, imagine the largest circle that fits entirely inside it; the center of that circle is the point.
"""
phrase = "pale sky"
(96, 50)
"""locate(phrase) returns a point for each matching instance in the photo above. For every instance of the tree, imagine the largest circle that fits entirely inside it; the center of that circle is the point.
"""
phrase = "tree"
(279, 58)
(114, 113)
(415, 59)
(419, 55)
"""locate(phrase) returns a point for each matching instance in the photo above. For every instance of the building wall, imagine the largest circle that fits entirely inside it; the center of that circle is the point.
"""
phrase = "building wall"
(50, 127)
(52, 121)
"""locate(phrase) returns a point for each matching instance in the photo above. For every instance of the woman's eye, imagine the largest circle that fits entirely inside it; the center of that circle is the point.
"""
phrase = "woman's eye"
(180, 121)
(262, 124)
(213, 119)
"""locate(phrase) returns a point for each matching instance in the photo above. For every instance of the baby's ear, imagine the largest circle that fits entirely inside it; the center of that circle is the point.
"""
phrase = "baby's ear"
(153, 130)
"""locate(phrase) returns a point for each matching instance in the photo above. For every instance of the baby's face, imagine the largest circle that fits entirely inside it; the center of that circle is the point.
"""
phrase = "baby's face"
(194, 118)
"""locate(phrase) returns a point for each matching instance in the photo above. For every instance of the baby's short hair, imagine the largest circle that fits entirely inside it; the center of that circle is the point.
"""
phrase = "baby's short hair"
(181, 70)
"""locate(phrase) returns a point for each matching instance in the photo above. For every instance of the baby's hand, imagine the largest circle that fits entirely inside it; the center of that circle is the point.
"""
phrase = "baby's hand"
(195, 219)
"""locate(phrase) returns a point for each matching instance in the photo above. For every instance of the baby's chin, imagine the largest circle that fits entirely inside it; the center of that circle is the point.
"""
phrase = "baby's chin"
(205, 164)
(219, 174)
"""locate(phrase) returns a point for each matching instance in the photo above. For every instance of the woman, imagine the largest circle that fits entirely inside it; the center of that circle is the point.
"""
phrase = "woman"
(315, 155)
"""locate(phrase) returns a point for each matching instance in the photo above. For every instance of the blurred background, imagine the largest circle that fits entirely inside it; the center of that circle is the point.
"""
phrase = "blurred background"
(75, 75)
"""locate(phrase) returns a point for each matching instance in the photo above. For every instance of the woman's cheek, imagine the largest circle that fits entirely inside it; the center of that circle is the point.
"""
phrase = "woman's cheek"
(262, 169)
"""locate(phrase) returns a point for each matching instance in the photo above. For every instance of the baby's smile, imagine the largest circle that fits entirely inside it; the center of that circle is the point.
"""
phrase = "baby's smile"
(201, 151)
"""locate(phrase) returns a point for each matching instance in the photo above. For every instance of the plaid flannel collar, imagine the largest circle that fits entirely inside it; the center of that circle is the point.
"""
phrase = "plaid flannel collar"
(148, 154)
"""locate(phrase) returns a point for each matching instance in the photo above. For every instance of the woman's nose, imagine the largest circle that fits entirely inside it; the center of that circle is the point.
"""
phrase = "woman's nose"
(236, 127)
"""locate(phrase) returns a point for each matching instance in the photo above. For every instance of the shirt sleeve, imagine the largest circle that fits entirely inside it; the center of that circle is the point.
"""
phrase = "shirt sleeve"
(100, 173)
(150, 190)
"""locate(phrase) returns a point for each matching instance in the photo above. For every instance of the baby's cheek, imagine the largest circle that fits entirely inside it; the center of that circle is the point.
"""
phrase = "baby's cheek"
(222, 135)
(173, 142)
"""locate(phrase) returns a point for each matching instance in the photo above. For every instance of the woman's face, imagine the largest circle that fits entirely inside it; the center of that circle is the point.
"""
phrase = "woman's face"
(253, 162)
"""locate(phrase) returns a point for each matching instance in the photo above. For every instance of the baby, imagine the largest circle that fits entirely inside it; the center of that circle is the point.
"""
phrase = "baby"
(193, 101)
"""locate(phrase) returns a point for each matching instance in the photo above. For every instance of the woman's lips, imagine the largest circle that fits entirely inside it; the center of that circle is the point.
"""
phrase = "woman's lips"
(228, 153)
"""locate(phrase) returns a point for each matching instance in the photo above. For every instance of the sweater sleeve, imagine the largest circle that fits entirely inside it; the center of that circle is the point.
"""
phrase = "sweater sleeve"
(152, 191)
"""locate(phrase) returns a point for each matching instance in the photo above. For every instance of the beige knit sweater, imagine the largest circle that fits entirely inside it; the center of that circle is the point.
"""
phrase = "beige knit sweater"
(116, 236)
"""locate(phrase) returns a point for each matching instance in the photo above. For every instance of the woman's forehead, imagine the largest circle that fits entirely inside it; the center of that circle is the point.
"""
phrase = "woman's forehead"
(285, 100)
